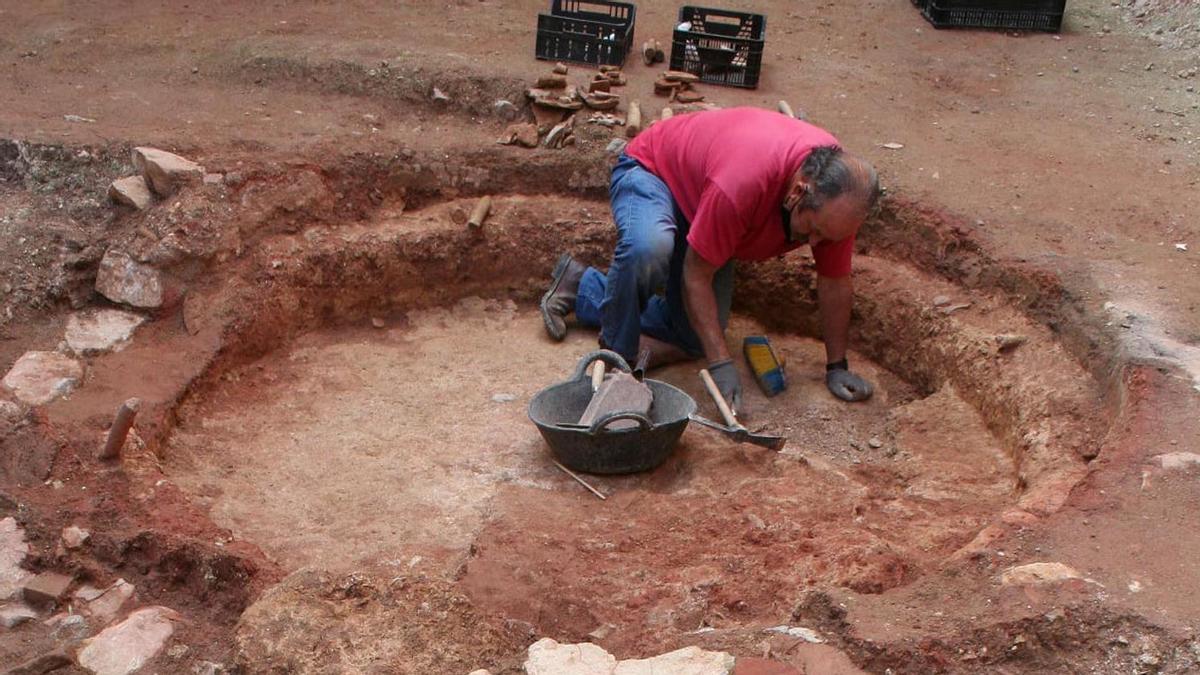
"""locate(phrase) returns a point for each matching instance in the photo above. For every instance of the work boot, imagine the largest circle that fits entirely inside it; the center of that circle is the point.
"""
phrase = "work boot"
(559, 301)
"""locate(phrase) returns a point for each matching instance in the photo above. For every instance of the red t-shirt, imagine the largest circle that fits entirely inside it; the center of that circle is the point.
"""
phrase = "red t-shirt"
(728, 171)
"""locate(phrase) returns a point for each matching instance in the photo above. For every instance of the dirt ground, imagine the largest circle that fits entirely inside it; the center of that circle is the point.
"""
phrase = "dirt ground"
(333, 470)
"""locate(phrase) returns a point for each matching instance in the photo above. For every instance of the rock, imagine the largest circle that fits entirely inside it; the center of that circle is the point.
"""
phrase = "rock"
(95, 332)
(209, 668)
(178, 651)
(127, 646)
(524, 135)
(1178, 460)
(1007, 341)
(214, 179)
(130, 191)
(939, 300)
(68, 627)
(104, 605)
(438, 95)
(47, 588)
(122, 279)
(806, 634)
(13, 550)
(166, 171)
(686, 661)
(506, 110)
(74, 537)
(548, 657)
(1038, 573)
(481, 671)
(601, 632)
(40, 377)
(503, 398)
(15, 614)
(875, 443)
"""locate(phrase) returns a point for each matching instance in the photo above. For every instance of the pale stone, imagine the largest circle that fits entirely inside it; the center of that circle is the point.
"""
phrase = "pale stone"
(481, 671)
(686, 661)
(74, 537)
(131, 191)
(104, 605)
(40, 377)
(548, 657)
(1038, 573)
(806, 634)
(125, 647)
(1179, 460)
(165, 171)
(122, 279)
(15, 614)
(13, 550)
(101, 330)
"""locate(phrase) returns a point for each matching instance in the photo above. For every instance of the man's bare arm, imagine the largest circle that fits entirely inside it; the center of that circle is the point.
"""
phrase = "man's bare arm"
(701, 305)
(835, 296)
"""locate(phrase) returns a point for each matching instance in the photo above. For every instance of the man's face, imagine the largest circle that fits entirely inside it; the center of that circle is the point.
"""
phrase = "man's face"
(835, 220)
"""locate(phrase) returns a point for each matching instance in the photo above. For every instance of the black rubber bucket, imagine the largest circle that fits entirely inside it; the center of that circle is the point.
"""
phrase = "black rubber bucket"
(556, 411)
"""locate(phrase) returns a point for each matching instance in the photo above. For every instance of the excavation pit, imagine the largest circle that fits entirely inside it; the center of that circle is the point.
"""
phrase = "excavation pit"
(379, 421)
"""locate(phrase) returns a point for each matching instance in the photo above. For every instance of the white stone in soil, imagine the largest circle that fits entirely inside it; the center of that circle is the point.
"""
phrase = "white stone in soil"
(125, 647)
(1039, 573)
(101, 330)
(548, 657)
(13, 550)
(1178, 460)
(165, 171)
(686, 661)
(40, 377)
(123, 279)
(131, 191)
(74, 537)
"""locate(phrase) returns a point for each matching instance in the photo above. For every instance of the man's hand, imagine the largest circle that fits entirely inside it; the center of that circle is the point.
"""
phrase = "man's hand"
(726, 377)
(846, 385)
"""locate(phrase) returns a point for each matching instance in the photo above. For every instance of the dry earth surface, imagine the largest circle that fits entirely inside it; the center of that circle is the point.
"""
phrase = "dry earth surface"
(332, 470)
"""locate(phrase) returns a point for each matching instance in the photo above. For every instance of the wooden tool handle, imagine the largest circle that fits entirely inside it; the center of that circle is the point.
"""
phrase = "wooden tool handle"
(597, 375)
(717, 398)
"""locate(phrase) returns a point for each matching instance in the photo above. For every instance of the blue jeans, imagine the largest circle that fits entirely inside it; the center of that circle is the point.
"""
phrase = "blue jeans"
(643, 290)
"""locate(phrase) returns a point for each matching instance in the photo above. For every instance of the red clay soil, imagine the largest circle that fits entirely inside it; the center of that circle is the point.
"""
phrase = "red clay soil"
(1049, 180)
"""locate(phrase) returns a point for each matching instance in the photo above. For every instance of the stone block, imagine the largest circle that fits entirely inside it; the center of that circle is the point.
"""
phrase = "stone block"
(46, 589)
(131, 191)
(548, 657)
(99, 331)
(686, 661)
(40, 377)
(125, 647)
(123, 279)
(166, 171)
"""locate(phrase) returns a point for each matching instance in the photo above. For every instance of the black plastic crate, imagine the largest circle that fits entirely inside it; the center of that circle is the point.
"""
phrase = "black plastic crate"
(592, 32)
(722, 47)
(1044, 15)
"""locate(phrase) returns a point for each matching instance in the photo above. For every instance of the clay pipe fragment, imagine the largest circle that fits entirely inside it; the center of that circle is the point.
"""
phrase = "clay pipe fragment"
(736, 430)
(480, 213)
(120, 429)
(633, 119)
(786, 109)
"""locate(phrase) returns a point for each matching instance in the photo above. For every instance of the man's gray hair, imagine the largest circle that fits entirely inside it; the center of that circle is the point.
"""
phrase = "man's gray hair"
(830, 175)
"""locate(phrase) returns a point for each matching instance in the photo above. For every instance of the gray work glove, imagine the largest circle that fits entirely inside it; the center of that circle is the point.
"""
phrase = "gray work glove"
(846, 385)
(726, 377)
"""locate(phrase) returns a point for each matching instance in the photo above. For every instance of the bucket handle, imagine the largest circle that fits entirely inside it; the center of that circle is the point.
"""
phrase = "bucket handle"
(610, 358)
